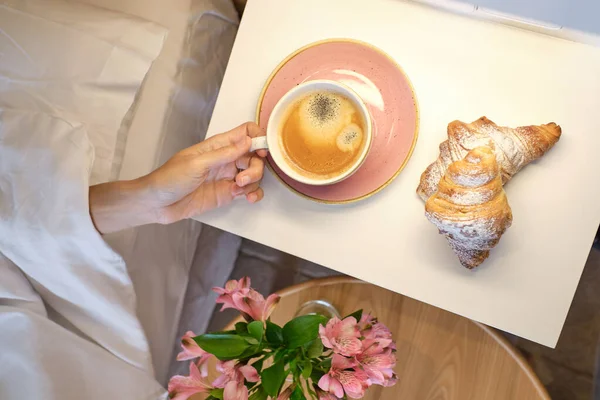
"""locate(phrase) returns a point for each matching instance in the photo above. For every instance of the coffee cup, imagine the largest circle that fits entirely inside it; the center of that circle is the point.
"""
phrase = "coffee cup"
(319, 133)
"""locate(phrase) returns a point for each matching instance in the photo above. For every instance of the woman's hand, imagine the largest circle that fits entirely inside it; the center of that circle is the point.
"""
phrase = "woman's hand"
(205, 176)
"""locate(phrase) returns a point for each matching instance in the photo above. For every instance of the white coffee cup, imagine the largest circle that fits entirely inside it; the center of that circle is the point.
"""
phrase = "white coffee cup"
(272, 140)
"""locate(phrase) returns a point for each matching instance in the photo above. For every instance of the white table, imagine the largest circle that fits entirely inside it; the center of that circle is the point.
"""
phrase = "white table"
(461, 69)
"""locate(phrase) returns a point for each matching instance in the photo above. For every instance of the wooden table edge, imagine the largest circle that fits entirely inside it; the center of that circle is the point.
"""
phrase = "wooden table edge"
(502, 341)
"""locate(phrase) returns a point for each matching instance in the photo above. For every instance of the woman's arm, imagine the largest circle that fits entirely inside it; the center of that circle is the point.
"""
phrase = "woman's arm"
(197, 179)
(120, 205)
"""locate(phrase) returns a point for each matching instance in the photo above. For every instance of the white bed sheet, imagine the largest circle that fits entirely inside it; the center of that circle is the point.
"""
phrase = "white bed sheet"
(68, 74)
(172, 112)
(68, 326)
(78, 62)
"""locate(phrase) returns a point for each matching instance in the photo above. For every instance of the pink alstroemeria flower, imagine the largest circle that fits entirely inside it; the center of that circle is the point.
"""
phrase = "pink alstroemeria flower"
(377, 331)
(341, 336)
(376, 346)
(366, 321)
(391, 381)
(232, 379)
(325, 396)
(341, 379)
(254, 306)
(378, 361)
(183, 387)
(191, 350)
(235, 391)
(225, 294)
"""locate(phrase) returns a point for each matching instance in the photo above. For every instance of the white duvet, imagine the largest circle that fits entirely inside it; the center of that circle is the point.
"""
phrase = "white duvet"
(68, 325)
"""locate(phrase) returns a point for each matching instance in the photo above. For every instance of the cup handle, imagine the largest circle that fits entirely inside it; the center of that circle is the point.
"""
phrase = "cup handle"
(259, 143)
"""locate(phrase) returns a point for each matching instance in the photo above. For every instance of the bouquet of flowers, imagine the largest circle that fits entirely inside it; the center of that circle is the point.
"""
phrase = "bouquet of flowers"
(310, 357)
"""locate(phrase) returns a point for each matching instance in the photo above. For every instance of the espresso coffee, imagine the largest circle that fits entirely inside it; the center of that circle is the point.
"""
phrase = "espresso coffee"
(322, 134)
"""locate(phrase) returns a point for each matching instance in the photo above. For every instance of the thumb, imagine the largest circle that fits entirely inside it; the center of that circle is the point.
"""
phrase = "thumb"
(227, 154)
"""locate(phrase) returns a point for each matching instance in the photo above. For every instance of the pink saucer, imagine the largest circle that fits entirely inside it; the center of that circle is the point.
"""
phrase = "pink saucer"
(385, 89)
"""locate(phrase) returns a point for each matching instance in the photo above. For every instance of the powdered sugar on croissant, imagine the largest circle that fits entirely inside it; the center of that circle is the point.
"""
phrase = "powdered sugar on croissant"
(514, 148)
(470, 207)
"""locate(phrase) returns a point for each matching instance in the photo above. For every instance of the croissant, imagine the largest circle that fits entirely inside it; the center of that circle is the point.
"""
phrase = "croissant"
(514, 148)
(470, 206)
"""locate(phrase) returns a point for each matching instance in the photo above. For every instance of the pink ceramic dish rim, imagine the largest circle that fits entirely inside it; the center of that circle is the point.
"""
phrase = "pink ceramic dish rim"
(417, 118)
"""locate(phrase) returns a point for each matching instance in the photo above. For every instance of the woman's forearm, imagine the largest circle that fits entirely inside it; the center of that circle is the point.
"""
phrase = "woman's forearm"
(120, 205)
(202, 177)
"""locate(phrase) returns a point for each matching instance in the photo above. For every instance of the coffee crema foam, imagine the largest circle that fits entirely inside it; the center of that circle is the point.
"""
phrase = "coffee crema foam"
(323, 134)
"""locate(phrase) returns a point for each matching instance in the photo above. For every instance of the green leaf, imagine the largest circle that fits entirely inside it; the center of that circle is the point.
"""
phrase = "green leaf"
(250, 340)
(223, 346)
(217, 393)
(279, 355)
(250, 352)
(302, 330)
(256, 330)
(272, 378)
(274, 334)
(258, 364)
(356, 314)
(250, 385)
(293, 369)
(306, 368)
(298, 394)
(260, 394)
(325, 364)
(316, 375)
(241, 328)
(211, 398)
(315, 348)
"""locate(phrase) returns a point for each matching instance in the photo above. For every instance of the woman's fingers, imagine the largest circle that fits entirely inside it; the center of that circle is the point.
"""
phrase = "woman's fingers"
(253, 172)
(238, 191)
(223, 155)
(253, 192)
(248, 181)
(248, 129)
(256, 131)
(227, 147)
(255, 196)
(244, 161)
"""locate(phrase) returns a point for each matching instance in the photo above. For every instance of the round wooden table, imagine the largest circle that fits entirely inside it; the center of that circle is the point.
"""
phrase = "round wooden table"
(441, 356)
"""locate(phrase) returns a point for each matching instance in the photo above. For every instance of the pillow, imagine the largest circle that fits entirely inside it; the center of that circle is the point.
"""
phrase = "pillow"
(77, 62)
